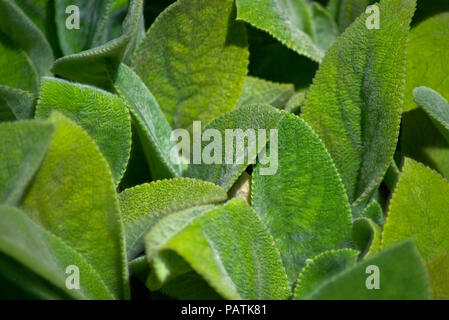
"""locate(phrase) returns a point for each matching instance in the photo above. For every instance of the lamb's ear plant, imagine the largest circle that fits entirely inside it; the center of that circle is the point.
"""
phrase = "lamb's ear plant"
(343, 195)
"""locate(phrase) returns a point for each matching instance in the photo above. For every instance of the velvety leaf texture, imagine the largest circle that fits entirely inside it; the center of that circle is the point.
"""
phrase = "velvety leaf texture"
(73, 196)
(245, 121)
(21, 31)
(46, 255)
(194, 73)
(296, 23)
(322, 267)
(152, 126)
(304, 203)
(216, 239)
(103, 115)
(355, 102)
(419, 209)
(99, 59)
(16, 104)
(144, 205)
(23, 148)
(366, 235)
(427, 54)
(258, 91)
(402, 275)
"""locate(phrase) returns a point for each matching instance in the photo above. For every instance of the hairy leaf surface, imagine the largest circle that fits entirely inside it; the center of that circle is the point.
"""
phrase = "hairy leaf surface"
(304, 203)
(104, 116)
(194, 60)
(73, 196)
(419, 209)
(355, 102)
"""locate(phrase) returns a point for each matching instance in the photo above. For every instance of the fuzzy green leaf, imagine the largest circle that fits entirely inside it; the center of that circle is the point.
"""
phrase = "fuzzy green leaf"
(346, 11)
(152, 126)
(302, 26)
(322, 267)
(419, 209)
(23, 148)
(355, 102)
(427, 55)
(16, 104)
(104, 116)
(374, 212)
(144, 205)
(194, 60)
(304, 203)
(259, 91)
(73, 196)
(435, 106)
(246, 119)
(366, 235)
(45, 255)
(215, 241)
(94, 66)
(21, 31)
(402, 276)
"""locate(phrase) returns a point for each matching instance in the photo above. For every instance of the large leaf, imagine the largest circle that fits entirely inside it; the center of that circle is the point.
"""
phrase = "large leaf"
(355, 102)
(300, 25)
(73, 196)
(229, 247)
(23, 148)
(45, 255)
(259, 91)
(103, 115)
(144, 205)
(427, 53)
(419, 209)
(16, 104)
(194, 60)
(93, 66)
(402, 276)
(152, 126)
(321, 268)
(242, 122)
(304, 203)
(435, 106)
(21, 31)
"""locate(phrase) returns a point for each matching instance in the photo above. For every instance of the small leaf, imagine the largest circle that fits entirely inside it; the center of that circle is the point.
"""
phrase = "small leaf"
(103, 115)
(45, 255)
(349, 11)
(21, 31)
(402, 276)
(218, 239)
(259, 91)
(16, 104)
(427, 54)
(23, 148)
(355, 102)
(303, 203)
(419, 209)
(374, 212)
(322, 267)
(94, 65)
(435, 106)
(297, 24)
(244, 120)
(73, 196)
(144, 205)
(366, 235)
(152, 126)
(194, 60)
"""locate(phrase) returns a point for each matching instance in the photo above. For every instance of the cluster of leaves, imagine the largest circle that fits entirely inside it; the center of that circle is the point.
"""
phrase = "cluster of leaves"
(88, 179)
